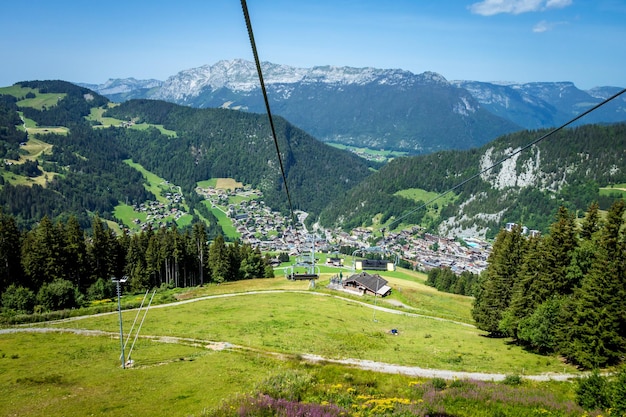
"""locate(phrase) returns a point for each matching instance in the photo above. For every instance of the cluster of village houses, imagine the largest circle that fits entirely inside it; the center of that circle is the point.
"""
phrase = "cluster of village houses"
(158, 214)
(268, 230)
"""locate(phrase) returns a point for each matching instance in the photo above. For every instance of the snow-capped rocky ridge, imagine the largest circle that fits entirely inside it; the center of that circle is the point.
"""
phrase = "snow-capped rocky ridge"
(241, 76)
(122, 85)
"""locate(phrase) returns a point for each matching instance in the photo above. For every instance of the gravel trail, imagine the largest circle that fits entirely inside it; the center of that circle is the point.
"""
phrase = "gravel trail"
(358, 363)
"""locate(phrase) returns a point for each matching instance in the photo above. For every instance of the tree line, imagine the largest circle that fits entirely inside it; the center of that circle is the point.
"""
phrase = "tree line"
(59, 265)
(564, 293)
(445, 280)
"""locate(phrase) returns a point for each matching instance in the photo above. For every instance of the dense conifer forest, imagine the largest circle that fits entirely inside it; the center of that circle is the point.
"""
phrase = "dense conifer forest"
(86, 173)
(563, 293)
(60, 266)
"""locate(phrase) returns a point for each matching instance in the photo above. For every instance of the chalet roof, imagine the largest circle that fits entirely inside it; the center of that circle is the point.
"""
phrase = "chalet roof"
(373, 283)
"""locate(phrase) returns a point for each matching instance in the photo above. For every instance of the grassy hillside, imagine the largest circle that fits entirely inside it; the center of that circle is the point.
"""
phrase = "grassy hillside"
(226, 340)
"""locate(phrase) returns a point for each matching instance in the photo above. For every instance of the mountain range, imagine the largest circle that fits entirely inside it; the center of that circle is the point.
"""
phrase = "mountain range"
(390, 109)
(81, 150)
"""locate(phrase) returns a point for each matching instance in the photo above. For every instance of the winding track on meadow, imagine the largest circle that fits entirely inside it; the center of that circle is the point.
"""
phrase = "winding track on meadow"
(359, 363)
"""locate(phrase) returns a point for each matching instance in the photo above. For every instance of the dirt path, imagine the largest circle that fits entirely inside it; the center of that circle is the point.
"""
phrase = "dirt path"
(357, 363)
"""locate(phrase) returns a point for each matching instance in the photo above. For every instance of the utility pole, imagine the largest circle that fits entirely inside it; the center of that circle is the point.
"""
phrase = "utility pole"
(119, 281)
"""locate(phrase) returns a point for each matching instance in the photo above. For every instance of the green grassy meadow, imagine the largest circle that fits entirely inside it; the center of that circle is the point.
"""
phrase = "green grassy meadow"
(616, 189)
(265, 326)
(97, 115)
(224, 221)
(372, 154)
(154, 181)
(38, 102)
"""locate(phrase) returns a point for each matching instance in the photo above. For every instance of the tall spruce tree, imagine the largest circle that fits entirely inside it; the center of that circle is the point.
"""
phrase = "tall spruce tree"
(219, 261)
(523, 300)
(199, 235)
(76, 262)
(596, 335)
(42, 257)
(103, 251)
(591, 223)
(10, 256)
(497, 281)
(556, 255)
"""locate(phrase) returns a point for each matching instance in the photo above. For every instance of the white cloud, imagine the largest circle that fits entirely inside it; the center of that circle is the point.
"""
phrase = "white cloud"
(558, 4)
(545, 26)
(493, 7)
(542, 26)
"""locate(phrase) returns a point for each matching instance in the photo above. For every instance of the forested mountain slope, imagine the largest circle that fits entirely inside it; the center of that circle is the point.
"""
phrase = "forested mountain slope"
(226, 143)
(80, 168)
(565, 169)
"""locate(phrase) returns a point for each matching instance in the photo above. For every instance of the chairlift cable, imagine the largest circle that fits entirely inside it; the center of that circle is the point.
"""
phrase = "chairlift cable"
(246, 15)
(141, 324)
(512, 154)
(130, 332)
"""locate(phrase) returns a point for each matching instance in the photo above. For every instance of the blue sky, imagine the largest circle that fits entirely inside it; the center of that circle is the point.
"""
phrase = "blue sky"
(583, 41)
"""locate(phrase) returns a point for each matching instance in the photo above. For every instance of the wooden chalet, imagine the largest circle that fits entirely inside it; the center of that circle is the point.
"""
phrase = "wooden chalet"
(368, 284)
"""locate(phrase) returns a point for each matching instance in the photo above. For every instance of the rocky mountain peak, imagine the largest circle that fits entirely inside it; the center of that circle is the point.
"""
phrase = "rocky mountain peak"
(241, 76)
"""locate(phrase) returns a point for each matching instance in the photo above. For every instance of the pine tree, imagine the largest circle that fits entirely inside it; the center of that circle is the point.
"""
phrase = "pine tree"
(219, 261)
(102, 251)
(596, 335)
(136, 267)
(591, 223)
(199, 235)
(523, 301)
(42, 254)
(10, 256)
(497, 281)
(76, 254)
(556, 255)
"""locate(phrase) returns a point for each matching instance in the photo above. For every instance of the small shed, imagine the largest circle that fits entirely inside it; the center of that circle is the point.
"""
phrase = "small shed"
(368, 284)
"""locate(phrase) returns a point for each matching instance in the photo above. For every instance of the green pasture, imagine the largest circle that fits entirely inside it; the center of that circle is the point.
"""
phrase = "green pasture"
(380, 155)
(39, 102)
(616, 189)
(42, 101)
(153, 181)
(210, 183)
(97, 115)
(66, 374)
(17, 90)
(418, 194)
(223, 220)
(333, 327)
(126, 214)
(31, 151)
(145, 126)
(225, 339)
(58, 374)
